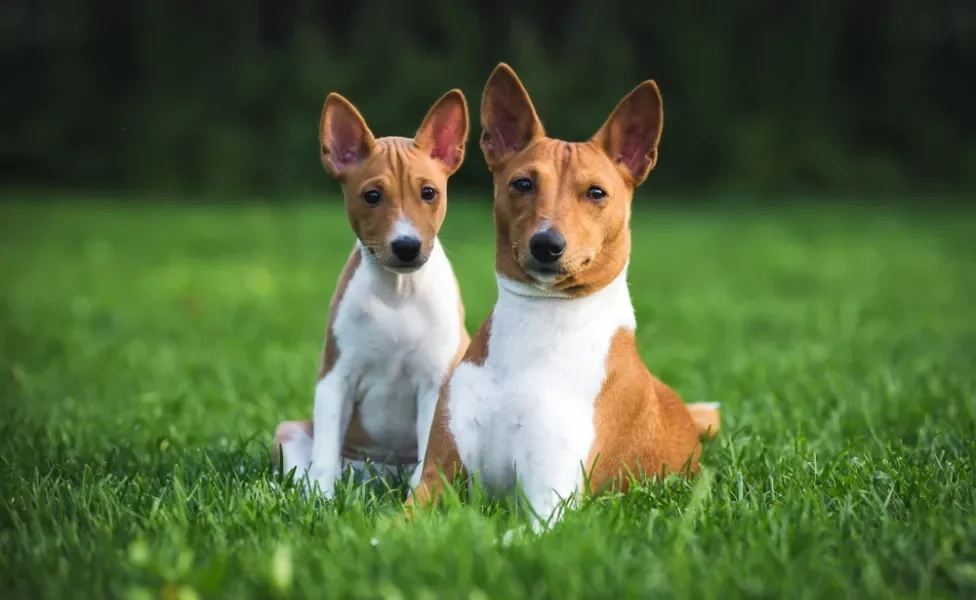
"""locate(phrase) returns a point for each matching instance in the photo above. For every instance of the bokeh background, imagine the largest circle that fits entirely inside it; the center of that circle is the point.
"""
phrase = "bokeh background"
(223, 98)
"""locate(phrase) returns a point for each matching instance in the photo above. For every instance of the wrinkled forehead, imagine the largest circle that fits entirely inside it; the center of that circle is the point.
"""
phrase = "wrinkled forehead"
(396, 163)
(573, 164)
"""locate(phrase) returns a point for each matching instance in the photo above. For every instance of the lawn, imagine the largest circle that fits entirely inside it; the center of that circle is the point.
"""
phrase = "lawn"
(146, 354)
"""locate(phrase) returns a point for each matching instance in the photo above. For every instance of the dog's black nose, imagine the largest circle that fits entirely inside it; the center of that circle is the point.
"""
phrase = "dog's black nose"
(547, 246)
(406, 248)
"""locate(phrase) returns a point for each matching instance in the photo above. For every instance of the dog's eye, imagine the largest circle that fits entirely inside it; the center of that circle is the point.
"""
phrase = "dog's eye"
(372, 197)
(427, 193)
(523, 185)
(595, 193)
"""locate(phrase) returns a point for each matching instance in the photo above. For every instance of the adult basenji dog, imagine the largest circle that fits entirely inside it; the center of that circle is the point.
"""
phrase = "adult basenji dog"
(396, 322)
(552, 396)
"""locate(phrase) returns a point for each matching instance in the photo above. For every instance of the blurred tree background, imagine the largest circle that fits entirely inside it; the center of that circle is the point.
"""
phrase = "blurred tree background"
(220, 97)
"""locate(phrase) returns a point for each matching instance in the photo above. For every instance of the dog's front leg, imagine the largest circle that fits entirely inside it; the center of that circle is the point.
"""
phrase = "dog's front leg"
(546, 506)
(426, 406)
(549, 493)
(441, 460)
(293, 442)
(333, 410)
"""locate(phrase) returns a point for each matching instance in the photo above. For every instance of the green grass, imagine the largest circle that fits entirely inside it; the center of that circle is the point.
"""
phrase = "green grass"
(146, 354)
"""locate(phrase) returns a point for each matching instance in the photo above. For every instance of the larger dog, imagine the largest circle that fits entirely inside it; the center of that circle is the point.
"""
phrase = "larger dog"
(552, 390)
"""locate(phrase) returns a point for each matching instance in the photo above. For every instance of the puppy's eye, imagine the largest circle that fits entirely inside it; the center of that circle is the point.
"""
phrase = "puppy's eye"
(523, 185)
(427, 193)
(372, 197)
(595, 193)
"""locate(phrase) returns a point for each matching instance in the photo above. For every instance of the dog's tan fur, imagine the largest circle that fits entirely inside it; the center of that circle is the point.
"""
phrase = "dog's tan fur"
(398, 168)
(640, 423)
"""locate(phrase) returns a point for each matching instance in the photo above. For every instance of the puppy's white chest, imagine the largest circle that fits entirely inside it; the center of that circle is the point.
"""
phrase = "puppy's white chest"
(391, 339)
(395, 332)
(378, 331)
(395, 346)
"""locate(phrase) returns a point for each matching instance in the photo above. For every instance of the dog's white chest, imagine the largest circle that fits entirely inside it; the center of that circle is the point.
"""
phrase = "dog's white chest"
(395, 345)
(527, 413)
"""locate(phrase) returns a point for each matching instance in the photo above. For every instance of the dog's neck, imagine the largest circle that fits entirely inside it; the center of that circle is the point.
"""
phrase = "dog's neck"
(401, 284)
(517, 295)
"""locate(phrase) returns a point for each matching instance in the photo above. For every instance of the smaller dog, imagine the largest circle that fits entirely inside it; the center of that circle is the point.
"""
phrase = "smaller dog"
(552, 388)
(396, 322)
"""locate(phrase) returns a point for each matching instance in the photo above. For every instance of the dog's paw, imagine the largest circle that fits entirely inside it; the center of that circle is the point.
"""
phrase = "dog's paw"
(318, 487)
(511, 536)
(523, 533)
(520, 535)
(318, 483)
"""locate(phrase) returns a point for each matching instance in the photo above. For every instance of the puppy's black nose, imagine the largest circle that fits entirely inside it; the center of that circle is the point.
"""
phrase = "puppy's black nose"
(406, 248)
(547, 246)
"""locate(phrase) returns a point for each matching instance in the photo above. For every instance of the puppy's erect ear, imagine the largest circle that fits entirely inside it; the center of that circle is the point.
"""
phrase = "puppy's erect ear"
(631, 135)
(445, 130)
(508, 119)
(345, 139)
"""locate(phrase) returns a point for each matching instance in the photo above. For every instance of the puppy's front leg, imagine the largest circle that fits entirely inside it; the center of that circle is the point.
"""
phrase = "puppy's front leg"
(426, 406)
(293, 442)
(441, 458)
(333, 410)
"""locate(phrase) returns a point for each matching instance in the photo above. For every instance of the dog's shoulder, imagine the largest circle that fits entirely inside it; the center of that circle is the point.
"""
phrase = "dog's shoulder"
(330, 353)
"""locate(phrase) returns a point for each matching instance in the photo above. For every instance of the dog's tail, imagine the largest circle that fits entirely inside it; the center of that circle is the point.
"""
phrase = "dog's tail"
(706, 418)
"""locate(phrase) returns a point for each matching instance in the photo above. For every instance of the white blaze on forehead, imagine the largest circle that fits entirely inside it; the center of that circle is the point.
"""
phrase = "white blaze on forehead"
(545, 225)
(403, 228)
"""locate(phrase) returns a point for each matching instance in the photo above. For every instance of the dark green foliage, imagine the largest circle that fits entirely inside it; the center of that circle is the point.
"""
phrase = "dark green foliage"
(225, 97)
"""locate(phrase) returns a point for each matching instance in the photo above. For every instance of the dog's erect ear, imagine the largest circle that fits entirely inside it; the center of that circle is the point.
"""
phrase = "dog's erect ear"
(445, 130)
(345, 139)
(508, 119)
(631, 134)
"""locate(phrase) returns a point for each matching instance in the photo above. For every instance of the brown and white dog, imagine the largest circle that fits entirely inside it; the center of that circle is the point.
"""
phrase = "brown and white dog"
(552, 391)
(396, 322)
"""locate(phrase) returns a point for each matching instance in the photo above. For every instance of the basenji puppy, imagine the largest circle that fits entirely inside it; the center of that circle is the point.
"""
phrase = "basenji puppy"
(396, 322)
(552, 396)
